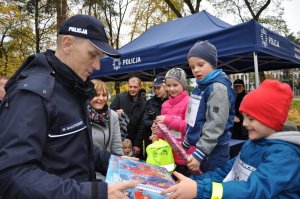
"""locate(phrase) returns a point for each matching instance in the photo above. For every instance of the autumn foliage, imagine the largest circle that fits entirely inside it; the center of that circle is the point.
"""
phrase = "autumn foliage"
(294, 113)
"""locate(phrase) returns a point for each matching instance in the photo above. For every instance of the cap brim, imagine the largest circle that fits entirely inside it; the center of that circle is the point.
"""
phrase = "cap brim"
(155, 84)
(106, 48)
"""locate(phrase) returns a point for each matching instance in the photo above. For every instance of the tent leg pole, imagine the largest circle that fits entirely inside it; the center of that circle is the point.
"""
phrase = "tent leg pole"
(256, 70)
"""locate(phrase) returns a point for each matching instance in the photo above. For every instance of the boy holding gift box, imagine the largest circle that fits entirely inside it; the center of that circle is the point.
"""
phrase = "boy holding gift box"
(210, 110)
(268, 164)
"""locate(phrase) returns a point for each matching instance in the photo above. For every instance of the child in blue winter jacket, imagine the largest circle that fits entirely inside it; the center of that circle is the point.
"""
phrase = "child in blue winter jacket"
(210, 111)
(268, 164)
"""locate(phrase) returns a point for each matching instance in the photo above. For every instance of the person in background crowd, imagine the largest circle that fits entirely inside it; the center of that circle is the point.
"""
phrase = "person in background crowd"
(104, 121)
(3, 81)
(268, 164)
(173, 113)
(238, 131)
(123, 122)
(210, 112)
(46, 146)
(143, 93)
(133, 105)
(153, 107)
(127, 147)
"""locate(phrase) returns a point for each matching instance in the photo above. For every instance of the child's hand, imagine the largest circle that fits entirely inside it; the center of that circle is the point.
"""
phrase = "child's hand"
(153, 137)
(119, 111)
(193, 164)
(236, 119)
(185, 188)
(160, 118)
(154, 128)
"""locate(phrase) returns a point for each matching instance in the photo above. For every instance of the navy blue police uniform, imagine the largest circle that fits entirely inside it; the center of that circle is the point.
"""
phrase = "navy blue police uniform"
(46, 148)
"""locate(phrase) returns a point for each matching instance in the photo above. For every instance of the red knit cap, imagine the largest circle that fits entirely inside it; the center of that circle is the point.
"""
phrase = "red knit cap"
(269, 103)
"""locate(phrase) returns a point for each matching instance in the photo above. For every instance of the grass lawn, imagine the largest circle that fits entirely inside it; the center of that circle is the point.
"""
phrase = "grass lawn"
(294, 113)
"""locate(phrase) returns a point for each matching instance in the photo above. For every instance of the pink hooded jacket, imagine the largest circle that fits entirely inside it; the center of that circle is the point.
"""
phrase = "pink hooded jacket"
(175, 111)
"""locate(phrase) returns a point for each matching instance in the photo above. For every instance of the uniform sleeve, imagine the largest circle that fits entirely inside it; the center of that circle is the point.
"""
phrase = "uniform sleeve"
(101, 160)
(23, 135)
(217, 113)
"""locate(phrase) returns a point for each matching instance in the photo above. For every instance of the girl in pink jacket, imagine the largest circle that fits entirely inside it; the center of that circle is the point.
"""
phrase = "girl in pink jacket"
(173, 111)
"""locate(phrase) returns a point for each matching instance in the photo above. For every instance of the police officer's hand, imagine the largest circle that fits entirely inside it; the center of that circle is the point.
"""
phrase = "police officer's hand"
(117, 190)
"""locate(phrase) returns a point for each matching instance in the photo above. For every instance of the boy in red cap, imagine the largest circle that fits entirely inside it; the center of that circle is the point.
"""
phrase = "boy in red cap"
(268, 164)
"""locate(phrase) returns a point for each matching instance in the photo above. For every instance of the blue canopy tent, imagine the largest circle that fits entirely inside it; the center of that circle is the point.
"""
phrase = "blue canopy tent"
(244, 47)
(159, 48)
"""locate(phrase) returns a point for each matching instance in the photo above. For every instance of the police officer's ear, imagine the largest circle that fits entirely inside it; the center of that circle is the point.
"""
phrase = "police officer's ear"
(66, 43)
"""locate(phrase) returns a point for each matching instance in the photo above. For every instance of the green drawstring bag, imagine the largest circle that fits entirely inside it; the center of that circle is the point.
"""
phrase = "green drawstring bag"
(160, 153)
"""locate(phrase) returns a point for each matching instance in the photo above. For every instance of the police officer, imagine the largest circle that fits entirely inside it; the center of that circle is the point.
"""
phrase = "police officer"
(46, 148)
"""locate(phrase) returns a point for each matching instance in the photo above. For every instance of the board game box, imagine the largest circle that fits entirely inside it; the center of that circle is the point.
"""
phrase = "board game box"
(152, 179)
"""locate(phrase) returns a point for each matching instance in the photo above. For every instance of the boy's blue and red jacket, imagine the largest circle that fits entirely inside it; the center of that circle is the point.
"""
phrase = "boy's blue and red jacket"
(273, 164)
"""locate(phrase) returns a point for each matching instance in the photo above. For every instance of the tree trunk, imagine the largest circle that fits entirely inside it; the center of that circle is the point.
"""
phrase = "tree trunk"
(117, 86)
(61, 10)
(36, 24)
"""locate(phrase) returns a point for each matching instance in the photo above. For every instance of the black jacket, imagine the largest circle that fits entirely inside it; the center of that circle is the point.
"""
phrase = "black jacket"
(153, 109)
(46, 146)
(135, 111)
(238, 131)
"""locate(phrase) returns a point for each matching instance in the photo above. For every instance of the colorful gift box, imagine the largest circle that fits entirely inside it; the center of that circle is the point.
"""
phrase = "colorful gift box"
(152, 179)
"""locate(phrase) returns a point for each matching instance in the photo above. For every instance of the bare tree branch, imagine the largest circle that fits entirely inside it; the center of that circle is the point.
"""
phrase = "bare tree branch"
(170, 4)
(257, 15)
(263, 8)
(250, 8)
(190, 5)
(197, 5)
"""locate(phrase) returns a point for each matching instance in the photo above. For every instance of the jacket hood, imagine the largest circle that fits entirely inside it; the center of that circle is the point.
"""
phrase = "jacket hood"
(218, 76)
(292, 137)
(222, 78)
